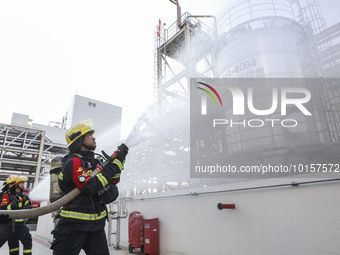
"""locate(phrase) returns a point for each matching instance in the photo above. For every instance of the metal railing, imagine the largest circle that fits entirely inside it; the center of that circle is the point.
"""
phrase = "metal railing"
(186, 19)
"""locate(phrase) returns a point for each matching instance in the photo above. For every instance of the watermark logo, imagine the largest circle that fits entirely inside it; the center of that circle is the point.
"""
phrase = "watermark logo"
(280, 99)
(255, 103)
(266, 127)
(204, 98)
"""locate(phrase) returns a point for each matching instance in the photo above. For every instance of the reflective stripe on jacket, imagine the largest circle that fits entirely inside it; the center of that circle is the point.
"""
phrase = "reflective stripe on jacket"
(86, 212)
(83, 216)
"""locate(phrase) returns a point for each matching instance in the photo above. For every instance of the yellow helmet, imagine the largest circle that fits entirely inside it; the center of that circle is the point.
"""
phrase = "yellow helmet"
(15, 179)
(77, 131)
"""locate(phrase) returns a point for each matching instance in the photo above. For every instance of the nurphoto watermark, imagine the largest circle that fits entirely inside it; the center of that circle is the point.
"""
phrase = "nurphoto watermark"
(259, 128)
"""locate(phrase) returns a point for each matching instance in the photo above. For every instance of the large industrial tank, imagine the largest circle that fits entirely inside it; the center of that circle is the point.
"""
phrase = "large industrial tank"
(266, 39)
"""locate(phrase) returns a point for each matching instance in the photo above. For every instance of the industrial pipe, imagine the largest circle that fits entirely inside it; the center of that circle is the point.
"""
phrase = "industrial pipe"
(221, 206)
(122, 213)
(121, 216)
(116, 217)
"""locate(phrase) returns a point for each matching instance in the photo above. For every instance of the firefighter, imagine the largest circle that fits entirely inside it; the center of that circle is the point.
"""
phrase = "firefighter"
(82, 221)
(14, 231)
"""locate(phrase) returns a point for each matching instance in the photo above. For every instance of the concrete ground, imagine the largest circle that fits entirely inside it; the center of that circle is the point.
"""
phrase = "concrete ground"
(41, 246)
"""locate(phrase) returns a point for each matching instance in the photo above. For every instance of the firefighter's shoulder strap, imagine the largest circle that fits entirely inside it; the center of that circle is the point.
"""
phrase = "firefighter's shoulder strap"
(72, 155)
(57, 165)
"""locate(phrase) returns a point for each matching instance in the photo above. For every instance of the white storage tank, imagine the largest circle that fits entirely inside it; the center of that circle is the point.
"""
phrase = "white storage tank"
(264, 39)
(260, 38)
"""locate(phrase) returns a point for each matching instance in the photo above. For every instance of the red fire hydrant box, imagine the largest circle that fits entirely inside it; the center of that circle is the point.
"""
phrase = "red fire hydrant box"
(151, 236)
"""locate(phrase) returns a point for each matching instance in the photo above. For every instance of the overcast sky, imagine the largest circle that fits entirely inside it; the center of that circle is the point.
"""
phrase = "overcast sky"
(51, 50)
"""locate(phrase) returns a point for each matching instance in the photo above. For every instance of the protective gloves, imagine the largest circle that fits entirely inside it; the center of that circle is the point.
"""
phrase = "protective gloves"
(16, 204)
(122, 152)
(119, 161)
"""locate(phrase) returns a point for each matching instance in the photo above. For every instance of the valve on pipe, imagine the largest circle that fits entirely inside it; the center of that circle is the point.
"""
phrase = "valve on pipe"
(221, 206)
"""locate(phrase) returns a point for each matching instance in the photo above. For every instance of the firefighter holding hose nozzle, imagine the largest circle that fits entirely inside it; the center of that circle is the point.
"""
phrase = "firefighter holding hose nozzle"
(82, 221)
(15, 230)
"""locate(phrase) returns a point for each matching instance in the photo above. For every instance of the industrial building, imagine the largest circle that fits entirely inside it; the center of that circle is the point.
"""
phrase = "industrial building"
(105, 116)
(253, 39)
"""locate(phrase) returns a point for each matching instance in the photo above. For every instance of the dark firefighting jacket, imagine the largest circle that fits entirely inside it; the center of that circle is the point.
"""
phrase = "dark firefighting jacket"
(15, 201)
(87, 212)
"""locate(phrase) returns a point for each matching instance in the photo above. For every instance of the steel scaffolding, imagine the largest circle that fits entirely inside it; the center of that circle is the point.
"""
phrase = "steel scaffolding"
(182, 51)
(26, 151)
(190, 49)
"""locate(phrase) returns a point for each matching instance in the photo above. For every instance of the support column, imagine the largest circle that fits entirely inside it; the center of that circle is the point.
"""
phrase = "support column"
(41, 149)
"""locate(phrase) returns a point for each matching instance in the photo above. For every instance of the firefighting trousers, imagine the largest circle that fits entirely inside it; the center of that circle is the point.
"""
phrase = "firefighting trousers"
(70, 242)
(13, 235)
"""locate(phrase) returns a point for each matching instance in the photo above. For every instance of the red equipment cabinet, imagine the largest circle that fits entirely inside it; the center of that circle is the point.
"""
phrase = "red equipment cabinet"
(136, 231)
(151, 236)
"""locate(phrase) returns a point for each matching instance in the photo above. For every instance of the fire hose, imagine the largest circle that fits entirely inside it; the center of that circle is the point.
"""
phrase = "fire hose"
(33, 213)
